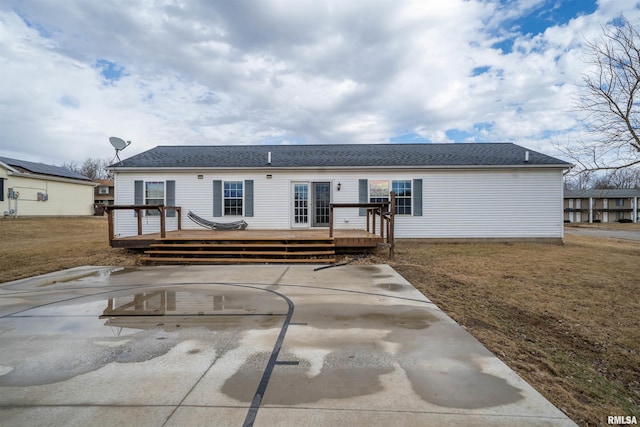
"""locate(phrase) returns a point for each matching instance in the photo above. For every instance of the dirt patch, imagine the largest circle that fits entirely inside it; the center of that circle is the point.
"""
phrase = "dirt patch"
(565, 317)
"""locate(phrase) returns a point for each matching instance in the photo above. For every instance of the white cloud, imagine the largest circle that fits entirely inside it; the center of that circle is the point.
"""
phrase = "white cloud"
(276, 71)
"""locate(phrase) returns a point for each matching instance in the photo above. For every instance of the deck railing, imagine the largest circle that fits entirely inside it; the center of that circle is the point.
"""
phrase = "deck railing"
(138, 210)
(384, 210)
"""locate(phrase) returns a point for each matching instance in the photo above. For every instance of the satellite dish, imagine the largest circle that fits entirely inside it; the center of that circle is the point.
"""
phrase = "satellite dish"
(119, 144)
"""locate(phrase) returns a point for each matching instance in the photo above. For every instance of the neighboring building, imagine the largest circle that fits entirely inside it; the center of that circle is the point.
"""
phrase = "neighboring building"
(103, 194)
(610, 205)
(443, 190)
(36, 189)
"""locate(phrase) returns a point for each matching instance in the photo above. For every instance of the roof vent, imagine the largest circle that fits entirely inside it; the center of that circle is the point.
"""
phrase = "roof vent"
(269, 157)
(526, 156)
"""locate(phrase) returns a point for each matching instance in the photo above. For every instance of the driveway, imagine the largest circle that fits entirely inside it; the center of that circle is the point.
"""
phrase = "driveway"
(603, 232)
(259, 345)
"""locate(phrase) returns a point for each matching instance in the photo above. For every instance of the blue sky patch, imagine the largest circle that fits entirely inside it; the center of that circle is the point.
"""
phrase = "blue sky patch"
(69, 101)
(458, 135)
(506, 45)
(408, 138)
(36, 26)
(111, 71)
(480, 70)
(551, 13)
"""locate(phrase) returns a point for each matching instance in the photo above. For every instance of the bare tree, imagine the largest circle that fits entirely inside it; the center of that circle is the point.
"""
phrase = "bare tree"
(610, 97)
(92, 168)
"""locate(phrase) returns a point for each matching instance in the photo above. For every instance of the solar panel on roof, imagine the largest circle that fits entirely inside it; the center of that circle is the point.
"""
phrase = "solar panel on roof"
(43, 169)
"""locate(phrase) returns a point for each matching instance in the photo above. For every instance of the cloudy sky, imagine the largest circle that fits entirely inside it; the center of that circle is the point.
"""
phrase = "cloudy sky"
(162, 72)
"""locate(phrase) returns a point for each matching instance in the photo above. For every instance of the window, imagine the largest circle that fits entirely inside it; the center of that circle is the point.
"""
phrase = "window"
(379, 192)
(233, 198)
(301, 203)
(403, 196)
(619, 202)
(103, 190)
(153, 195)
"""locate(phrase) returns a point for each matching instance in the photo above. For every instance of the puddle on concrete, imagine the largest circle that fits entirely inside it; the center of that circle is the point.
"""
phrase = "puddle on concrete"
(412, 319)
(56, 342)
(347, 372)
(391, 286)
(365, 316)
(463, 386)
(100, 275)
(368, 268)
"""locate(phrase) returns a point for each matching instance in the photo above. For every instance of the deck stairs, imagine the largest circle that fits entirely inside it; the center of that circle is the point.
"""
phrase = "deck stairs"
(246, 250)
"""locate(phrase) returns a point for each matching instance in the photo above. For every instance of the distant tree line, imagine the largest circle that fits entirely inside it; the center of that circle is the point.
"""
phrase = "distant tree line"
(619, 178)
(91, 168)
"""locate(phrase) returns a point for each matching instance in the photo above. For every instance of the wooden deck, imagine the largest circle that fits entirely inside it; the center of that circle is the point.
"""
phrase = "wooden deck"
(343, 239)
(254, 245)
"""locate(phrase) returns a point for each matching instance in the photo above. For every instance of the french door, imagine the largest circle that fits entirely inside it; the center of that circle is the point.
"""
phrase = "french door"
(310, 204)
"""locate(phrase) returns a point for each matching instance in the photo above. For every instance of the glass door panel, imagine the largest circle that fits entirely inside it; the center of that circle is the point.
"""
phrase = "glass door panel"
(300, 216)
(321, 200)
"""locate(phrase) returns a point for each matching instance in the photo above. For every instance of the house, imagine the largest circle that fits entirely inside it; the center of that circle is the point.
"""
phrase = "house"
(449, 191)
(37, 189)
(103, 193)
(605, 205)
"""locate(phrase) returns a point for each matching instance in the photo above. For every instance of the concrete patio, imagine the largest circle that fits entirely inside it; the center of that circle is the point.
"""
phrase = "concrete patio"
(256, 345)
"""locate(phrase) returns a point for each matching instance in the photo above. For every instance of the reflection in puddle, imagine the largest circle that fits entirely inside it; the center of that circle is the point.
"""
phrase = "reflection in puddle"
(161, 303)
(59, 341)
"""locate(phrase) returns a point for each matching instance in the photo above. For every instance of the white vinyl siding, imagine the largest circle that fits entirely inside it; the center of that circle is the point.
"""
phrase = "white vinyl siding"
(499, 203)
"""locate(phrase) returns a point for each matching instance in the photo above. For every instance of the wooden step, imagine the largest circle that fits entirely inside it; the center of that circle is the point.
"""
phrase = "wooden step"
(184, 260)
(247, 239)
(244, 245)
(240, 252)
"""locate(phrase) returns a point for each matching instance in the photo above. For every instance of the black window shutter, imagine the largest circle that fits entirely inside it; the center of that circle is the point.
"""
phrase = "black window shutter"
(138, 193)
(417, 197)
(171, 197)
(217, 198)
(1, 189)
(363, 195)
(248, 197)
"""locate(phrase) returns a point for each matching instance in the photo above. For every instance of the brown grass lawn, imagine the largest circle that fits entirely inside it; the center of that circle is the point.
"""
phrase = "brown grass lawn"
(565, 317)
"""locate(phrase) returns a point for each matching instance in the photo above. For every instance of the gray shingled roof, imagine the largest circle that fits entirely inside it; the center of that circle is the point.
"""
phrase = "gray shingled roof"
(611, 193)
(352, 155)
(42, 169)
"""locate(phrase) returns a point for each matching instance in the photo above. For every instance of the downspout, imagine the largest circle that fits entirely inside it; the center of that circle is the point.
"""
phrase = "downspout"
(635, 209)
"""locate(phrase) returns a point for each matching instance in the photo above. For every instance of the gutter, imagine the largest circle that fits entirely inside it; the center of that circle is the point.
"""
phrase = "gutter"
(51, 178)
(335, 168)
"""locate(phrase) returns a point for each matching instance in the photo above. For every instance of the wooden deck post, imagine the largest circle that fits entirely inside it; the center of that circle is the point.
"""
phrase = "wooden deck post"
(139, 215)
(392, 226)
(330, 220)
(368, 226)
(381, 222)
(179, 209)
(373, 221)
(163, 222)
(111, 227)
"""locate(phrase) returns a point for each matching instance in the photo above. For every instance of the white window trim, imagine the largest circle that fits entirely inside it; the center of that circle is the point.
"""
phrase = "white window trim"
(241, 215)
(155, 212)
(390, 188)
